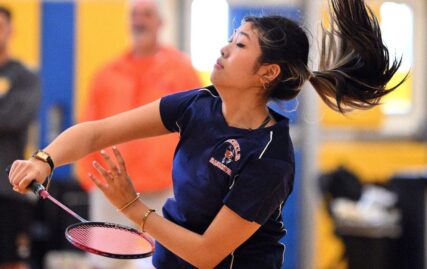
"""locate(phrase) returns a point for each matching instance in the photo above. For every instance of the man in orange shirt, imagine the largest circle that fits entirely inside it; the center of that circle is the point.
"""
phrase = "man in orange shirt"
(141, 75)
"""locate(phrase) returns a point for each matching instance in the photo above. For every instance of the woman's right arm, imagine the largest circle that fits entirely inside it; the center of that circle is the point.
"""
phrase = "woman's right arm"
(84, 138)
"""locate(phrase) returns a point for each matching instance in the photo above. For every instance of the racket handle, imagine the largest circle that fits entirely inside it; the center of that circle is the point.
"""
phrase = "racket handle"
(36, 188)
(34, 185)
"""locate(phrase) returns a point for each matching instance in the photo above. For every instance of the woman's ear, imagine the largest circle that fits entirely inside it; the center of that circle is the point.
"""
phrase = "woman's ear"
(269, 72)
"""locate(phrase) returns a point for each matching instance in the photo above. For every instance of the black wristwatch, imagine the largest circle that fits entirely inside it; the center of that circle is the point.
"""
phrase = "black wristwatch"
(44, 157)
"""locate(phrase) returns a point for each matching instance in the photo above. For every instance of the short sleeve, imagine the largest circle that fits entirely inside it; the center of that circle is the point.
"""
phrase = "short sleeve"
(173, 106)
(260, 189)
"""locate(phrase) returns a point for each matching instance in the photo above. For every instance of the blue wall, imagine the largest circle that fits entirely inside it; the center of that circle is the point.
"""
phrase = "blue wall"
(57, 73)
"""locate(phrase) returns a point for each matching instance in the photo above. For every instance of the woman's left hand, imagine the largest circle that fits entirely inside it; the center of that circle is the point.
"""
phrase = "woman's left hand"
(116, 186)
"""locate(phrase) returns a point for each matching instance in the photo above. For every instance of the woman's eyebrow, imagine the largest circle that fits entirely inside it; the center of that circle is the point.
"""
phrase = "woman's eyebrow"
(245, 34)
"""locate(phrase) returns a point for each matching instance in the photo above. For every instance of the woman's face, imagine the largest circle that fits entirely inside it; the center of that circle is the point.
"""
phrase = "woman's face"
(237, 65)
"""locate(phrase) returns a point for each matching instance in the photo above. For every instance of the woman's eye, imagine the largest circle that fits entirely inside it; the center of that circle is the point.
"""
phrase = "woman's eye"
(240, 45)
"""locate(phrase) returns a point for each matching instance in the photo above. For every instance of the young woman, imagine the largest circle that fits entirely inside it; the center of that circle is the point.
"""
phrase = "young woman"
(234, 167)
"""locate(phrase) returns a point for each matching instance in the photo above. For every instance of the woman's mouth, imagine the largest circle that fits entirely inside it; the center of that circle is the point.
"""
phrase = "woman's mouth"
(218, 65)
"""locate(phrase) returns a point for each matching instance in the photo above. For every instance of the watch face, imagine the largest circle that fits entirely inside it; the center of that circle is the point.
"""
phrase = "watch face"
(42, 155)
(45, 157)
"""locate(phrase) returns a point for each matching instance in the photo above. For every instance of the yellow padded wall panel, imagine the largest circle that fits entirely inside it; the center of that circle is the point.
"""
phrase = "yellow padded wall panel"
(101, 35)
(358, 119)
(328, 247)
(374, 161)
(25, 41)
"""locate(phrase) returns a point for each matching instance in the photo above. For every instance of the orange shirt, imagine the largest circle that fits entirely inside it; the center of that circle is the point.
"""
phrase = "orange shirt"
(127, 83)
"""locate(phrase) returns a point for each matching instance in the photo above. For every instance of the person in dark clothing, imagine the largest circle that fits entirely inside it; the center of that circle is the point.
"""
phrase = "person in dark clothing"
(233, 167)
(19, 102)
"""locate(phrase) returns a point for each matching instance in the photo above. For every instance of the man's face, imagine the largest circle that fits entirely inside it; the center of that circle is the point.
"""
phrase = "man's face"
(5, 30)
(145, 23)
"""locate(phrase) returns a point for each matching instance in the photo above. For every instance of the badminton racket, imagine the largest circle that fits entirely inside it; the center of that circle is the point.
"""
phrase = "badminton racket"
(101, 238)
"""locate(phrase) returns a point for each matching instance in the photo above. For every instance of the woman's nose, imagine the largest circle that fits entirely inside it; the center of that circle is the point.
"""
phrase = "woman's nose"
(224, 52)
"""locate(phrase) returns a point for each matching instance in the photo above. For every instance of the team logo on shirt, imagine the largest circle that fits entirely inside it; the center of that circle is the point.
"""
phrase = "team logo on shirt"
(231, 154)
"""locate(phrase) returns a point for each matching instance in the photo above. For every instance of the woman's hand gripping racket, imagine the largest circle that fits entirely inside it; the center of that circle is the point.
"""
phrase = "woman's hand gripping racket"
(102, 238)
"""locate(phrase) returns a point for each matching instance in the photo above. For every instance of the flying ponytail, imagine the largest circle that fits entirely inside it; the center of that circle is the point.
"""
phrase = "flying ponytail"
(354, 66)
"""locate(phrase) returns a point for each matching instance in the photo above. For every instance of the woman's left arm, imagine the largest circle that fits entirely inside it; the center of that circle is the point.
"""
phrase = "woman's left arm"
(226, 232)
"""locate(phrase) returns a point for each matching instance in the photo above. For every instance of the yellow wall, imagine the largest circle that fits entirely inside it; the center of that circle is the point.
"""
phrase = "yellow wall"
(102, 34)
(328, 247)
(358, 119)
(374, 161)
(25, 42)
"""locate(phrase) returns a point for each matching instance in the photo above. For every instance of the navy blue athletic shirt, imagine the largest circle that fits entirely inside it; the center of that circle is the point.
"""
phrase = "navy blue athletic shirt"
(249, 171)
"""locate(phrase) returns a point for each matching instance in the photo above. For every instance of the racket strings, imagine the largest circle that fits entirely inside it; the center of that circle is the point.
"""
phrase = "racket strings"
(108, 238)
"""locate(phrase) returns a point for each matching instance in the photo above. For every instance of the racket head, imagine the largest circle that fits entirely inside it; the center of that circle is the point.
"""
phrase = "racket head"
(110, 240)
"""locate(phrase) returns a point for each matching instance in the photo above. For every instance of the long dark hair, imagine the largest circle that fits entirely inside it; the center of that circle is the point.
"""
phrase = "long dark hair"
(354, 64)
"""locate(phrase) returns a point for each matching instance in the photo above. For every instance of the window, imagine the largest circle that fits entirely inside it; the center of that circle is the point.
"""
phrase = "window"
(398, 35)
(209, 32)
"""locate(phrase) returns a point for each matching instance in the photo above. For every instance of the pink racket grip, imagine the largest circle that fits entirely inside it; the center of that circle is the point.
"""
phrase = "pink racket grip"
(34, 186)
